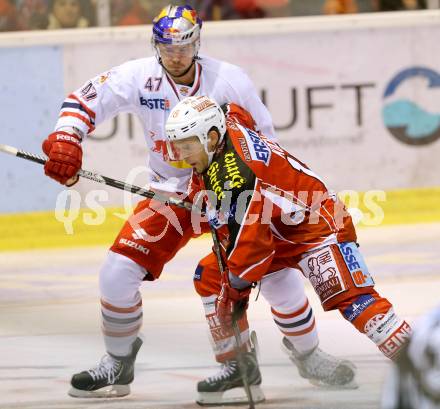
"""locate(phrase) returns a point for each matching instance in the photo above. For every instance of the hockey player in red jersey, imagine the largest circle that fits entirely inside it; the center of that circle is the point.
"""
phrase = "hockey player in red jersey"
(270, 212)
(149, 88)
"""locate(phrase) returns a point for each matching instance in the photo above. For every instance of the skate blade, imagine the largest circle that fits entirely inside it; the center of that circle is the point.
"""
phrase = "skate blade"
(235, 396)
(111, 391)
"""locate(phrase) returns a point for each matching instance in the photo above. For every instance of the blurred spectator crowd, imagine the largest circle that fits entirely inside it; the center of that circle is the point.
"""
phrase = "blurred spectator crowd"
(56, 14)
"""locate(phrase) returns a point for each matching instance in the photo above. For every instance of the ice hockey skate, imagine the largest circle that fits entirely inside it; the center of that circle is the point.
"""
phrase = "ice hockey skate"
(321, 368)
(226, 387)
(111, 378)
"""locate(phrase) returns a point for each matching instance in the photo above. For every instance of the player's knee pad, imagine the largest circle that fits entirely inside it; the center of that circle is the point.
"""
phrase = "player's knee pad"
(337, 273)
(120, 279)
(207, 276)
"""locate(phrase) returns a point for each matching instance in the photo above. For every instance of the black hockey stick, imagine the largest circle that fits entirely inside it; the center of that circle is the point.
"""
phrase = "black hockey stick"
(96, 177)
(236, 329)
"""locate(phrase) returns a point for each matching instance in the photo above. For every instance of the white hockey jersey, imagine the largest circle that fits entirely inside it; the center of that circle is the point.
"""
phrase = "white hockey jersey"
(142, 87)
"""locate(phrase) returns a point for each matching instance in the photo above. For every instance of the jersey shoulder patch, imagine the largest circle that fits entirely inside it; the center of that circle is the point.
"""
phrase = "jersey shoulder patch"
(253, 146)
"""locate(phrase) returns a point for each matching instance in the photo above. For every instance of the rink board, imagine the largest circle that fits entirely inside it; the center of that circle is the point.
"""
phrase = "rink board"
(329, 83)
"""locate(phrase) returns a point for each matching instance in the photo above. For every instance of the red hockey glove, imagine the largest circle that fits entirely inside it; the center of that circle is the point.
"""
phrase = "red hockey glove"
(65, 157)
(231, 304)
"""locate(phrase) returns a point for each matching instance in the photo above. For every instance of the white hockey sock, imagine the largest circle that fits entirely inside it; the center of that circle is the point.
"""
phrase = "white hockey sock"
(298, 326)
(121, 302)
(291, 311)
(120, 326)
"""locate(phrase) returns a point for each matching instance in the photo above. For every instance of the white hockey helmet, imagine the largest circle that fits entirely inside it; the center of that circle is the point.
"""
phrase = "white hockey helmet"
(194, 116)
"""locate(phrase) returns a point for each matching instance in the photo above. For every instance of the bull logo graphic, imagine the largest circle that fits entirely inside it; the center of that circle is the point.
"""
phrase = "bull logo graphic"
(315, 275)
(326, 283)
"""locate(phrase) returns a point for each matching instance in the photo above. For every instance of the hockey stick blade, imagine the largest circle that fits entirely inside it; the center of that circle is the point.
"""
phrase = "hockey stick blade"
(96, 177)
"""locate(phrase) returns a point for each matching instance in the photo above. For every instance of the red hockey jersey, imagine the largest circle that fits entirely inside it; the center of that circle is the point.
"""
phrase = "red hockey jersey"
(267, 206)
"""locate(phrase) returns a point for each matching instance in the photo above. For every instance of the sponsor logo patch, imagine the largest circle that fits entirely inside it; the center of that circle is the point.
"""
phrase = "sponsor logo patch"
(360, 304)
(219, 332)
(258, 148)
(395, 342)
(322, 271)
(184, 91)
(198, 273)
(62, 137)
(231, 172)
(140, 234)
(134, 246)
(89, 92)
(104, 78)
(203, 105)
(381, 324)
(356, 265)
(155, 103)
(245, 149)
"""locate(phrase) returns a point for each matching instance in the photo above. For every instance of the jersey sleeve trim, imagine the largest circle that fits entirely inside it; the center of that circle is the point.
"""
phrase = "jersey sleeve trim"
(75, 113)
(80, 117)
(90, 113)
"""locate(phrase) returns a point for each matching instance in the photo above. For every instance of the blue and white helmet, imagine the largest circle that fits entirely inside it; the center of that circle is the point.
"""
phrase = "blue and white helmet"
(177, 25)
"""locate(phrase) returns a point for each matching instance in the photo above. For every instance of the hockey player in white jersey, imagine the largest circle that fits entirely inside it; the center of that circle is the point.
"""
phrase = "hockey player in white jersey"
(150, 88)
(414, 379)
